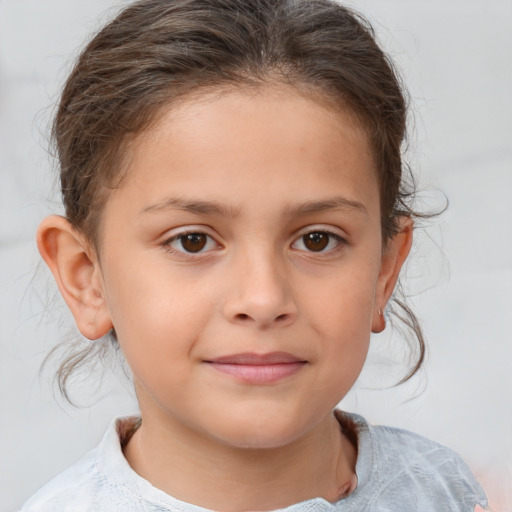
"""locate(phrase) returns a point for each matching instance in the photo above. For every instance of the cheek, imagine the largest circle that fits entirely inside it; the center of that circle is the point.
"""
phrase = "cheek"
(159, 316)
(341, 308)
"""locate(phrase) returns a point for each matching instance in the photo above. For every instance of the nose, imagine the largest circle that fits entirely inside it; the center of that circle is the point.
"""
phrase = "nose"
(260, 294)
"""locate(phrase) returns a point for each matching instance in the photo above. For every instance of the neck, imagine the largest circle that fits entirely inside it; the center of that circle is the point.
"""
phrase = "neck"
(232, 479)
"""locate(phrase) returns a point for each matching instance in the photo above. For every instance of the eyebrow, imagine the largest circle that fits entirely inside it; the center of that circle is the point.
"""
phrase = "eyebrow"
(215, 208)
(192, 206)
(332, 203)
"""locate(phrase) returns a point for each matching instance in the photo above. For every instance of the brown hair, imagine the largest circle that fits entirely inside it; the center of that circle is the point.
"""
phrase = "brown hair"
(158, 51)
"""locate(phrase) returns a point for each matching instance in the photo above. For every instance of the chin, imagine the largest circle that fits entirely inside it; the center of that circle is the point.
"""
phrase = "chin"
(260, 432)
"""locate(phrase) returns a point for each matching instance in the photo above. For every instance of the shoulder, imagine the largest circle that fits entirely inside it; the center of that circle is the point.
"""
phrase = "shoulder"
(409, 451)
(85, 486)
(73, 487)
(404, 467)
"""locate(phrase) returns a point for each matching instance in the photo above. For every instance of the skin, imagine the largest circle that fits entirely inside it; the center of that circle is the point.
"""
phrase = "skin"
(272, 166)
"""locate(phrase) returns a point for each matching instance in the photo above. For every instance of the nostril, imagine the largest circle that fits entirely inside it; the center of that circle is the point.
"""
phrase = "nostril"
(244, 317)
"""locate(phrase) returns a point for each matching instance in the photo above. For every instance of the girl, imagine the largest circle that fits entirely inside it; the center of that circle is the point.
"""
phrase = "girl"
(236, 220)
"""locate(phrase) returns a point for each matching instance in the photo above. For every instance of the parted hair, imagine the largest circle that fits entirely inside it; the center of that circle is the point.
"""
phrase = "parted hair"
(158, 52)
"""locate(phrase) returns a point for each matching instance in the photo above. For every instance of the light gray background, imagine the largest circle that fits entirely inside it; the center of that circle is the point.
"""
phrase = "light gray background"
(455, 56)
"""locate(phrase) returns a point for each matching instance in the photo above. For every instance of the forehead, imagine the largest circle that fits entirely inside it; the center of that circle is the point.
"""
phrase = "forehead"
(216, 146)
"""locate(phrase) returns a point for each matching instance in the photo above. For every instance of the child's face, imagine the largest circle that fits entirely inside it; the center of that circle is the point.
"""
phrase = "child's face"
(280, 202)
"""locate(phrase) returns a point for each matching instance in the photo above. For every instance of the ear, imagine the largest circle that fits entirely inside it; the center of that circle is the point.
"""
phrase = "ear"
(393, 257)
(76, 270)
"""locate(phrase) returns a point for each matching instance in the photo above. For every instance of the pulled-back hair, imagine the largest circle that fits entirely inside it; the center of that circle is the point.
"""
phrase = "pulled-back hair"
(157, 52)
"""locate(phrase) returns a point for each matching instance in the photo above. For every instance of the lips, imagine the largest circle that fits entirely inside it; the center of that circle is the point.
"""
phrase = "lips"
(253, 368)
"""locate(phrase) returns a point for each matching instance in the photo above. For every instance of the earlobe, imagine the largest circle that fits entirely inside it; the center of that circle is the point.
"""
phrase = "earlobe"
(77, 273)
(394, 255)
(378, 321)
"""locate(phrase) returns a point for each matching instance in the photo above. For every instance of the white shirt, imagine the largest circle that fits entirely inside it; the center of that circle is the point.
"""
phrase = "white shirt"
(397, 471)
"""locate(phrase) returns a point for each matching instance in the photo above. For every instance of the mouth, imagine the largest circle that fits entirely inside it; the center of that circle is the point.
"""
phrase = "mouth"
(253, 368)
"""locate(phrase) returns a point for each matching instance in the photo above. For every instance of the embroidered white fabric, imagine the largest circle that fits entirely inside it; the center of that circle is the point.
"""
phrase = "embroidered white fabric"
(397, 471)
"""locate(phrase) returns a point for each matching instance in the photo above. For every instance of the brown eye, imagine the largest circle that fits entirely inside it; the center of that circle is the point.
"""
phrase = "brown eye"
(316, 241)
(193, 242)
(321, 242)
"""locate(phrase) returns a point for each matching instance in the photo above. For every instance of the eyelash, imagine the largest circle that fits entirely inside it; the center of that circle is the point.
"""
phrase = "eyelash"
(340, 242)
(181, 236)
